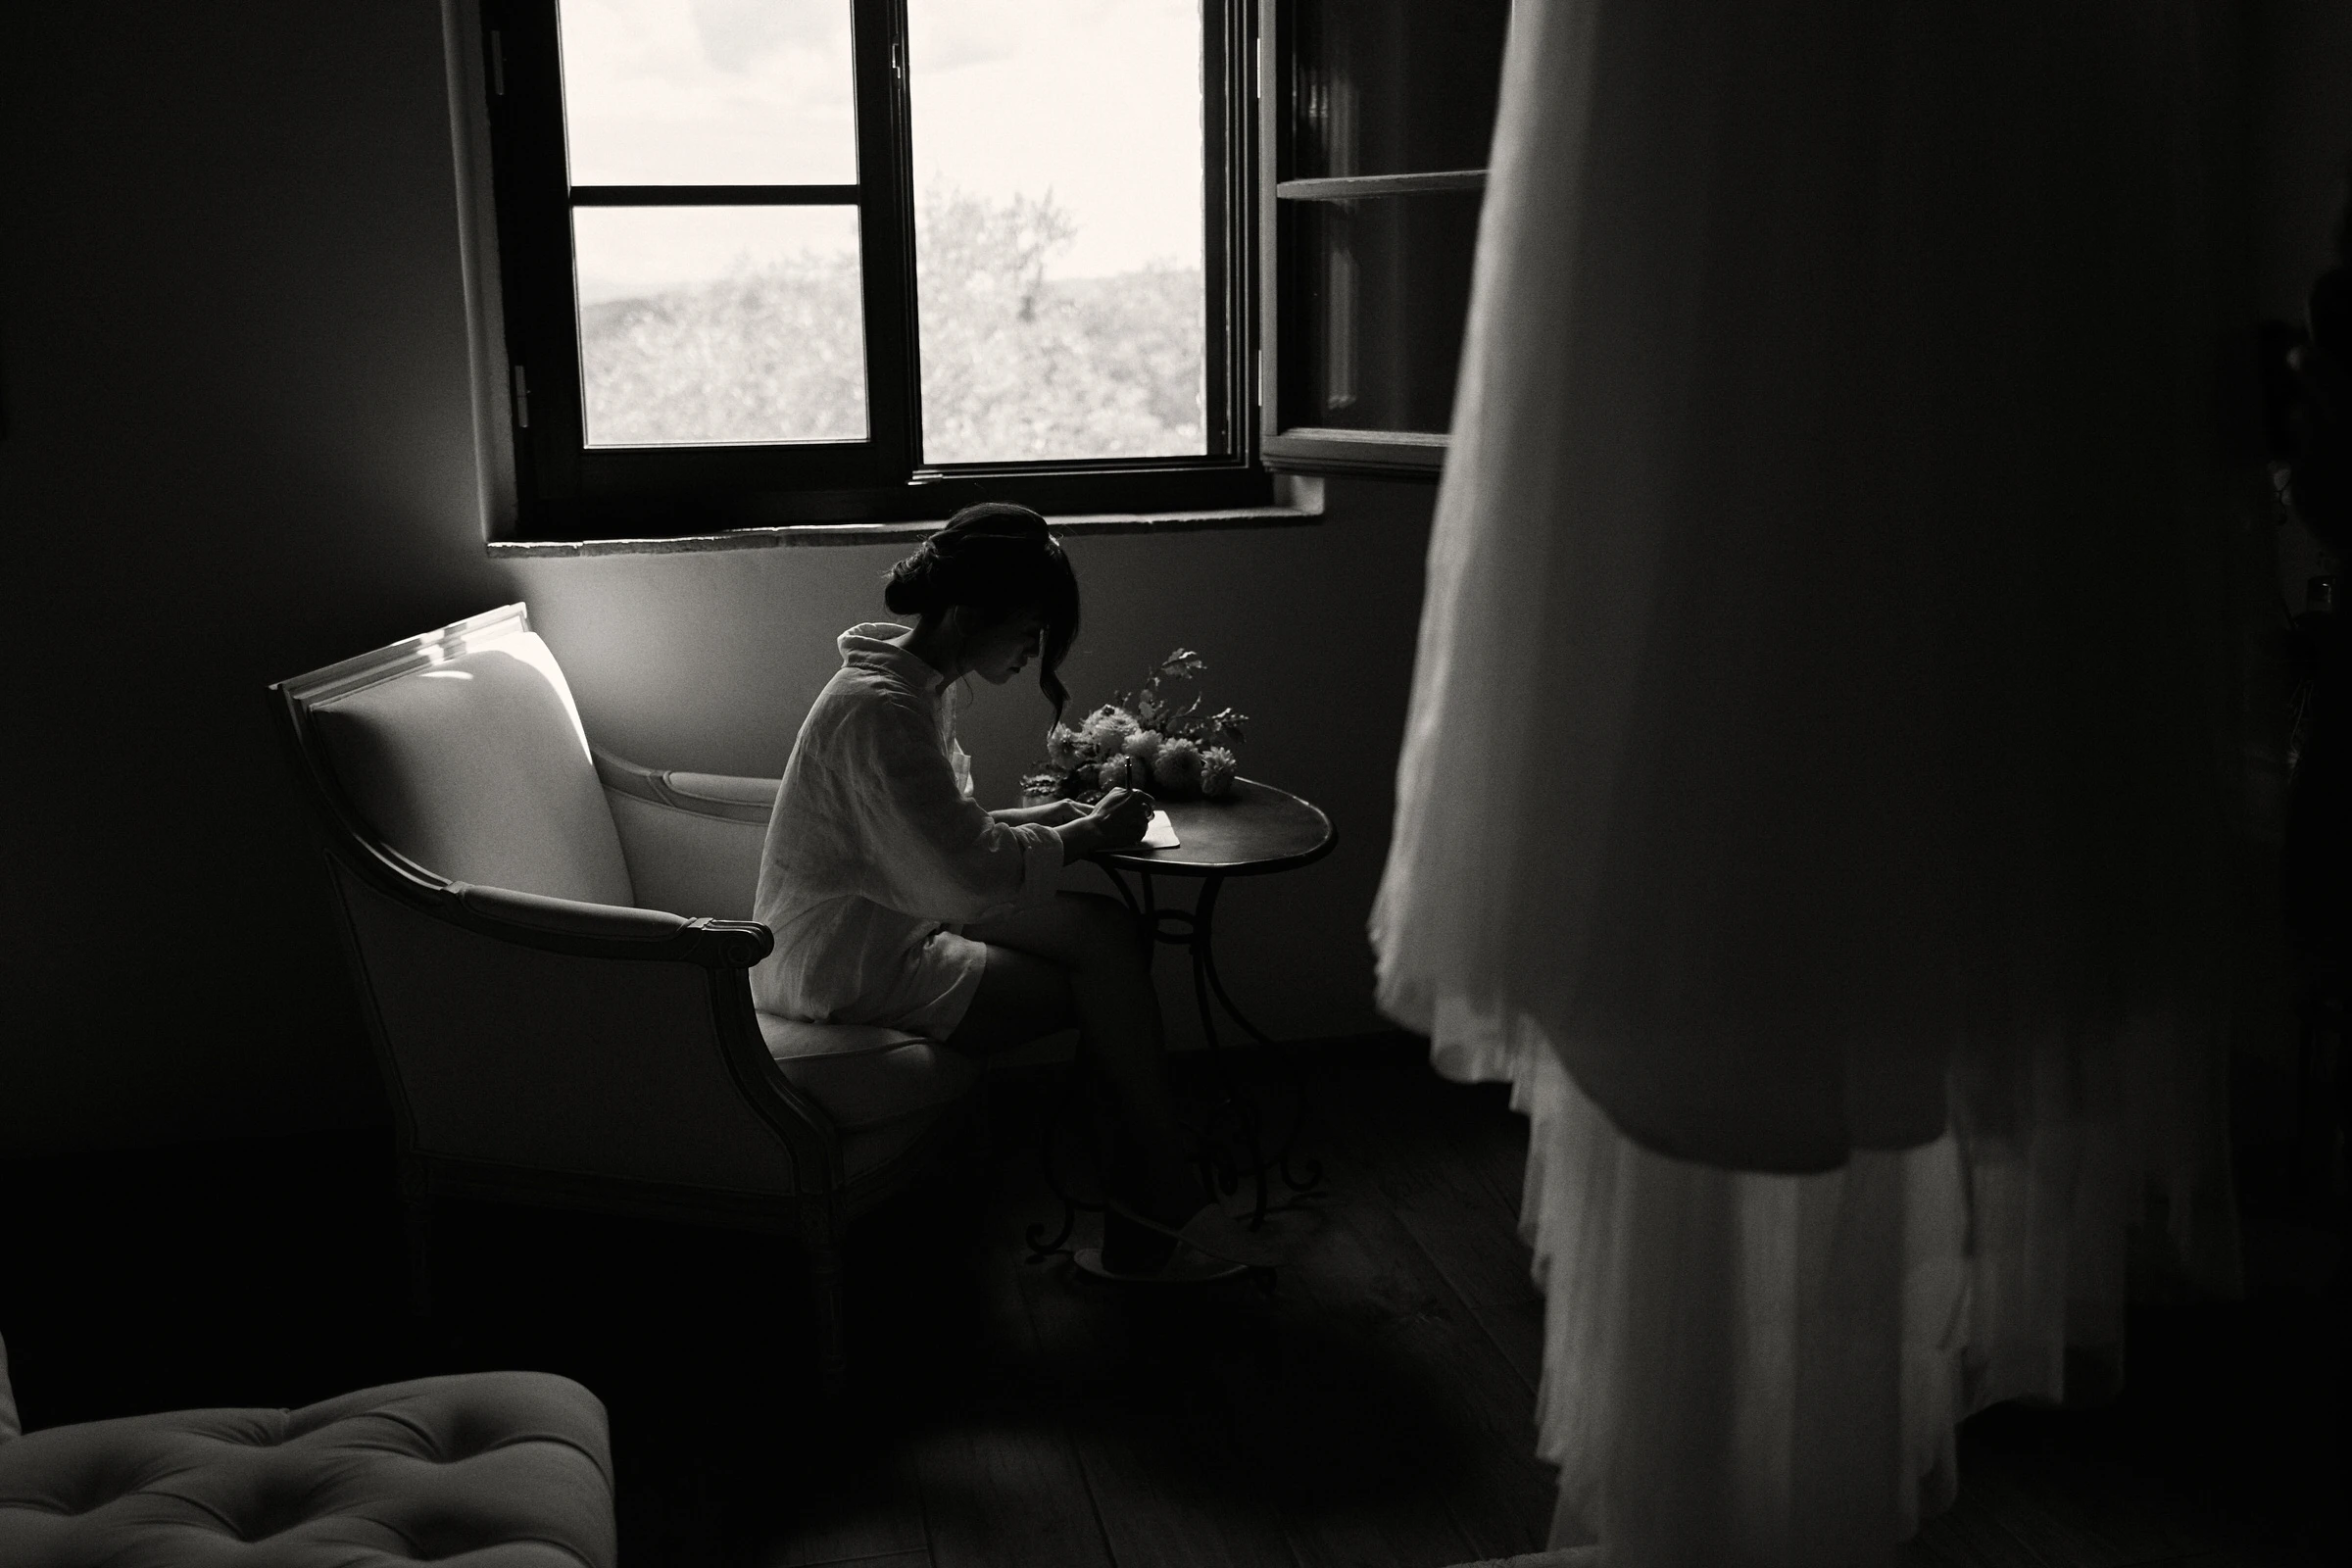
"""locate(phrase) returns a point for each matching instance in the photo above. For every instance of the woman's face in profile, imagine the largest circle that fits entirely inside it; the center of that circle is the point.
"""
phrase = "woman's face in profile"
(997, 653)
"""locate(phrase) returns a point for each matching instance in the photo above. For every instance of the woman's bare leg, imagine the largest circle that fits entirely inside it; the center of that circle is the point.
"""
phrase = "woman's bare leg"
(1077, 959)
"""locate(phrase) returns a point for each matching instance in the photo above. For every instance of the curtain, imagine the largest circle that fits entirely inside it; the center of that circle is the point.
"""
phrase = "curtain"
(1821, 795)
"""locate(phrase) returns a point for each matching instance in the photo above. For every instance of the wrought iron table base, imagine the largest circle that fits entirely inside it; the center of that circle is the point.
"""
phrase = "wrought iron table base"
(1195, 931)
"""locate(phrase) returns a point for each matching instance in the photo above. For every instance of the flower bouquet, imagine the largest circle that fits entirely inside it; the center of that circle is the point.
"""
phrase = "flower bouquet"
(1144, 740)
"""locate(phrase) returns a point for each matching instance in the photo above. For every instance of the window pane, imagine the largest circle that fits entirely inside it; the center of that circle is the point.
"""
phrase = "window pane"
(1393, 86)
(708, 92)
(1372, 331)
(1058, 154)
(720, 323)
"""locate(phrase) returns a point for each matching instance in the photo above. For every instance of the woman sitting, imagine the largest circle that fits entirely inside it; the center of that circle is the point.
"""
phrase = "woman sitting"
(897, 900)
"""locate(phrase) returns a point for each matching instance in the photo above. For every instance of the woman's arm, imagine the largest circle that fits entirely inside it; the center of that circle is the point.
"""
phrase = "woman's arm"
(931, 851)
(1079, 839)
(1053, 813)
(927, 849)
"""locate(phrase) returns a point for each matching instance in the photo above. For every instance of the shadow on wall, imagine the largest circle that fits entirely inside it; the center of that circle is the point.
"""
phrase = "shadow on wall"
(238, 445)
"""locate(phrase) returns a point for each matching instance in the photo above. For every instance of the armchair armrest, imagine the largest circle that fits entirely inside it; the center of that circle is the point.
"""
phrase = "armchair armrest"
(570, 917)
(607, 930)
(729, 797)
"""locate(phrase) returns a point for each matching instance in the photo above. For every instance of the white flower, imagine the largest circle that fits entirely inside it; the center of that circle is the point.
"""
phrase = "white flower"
(1062, 747)
(1216, 771)
(1107, 729)
(1176, 770)
(1142, 745)
(1121, 773)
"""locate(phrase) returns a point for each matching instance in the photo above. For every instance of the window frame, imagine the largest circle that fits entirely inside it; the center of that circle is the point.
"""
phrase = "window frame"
(1320, 448)
(564, 490)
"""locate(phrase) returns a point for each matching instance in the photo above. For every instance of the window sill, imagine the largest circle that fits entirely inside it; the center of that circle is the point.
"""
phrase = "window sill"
(1372, 454)
(1302, 497)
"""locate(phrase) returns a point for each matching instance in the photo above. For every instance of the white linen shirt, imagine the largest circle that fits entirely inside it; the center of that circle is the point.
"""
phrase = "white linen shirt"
(877, 851)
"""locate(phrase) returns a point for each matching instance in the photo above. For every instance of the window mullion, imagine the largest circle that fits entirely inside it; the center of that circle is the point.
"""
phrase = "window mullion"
(1225, 263)
(715, 195)
(886, 238)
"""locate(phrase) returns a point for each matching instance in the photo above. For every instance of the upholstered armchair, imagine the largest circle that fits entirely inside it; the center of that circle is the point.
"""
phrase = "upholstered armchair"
(551, 946)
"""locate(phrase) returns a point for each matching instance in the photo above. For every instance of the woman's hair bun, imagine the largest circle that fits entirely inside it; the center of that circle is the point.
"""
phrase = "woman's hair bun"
(992, 555)
(913, 587)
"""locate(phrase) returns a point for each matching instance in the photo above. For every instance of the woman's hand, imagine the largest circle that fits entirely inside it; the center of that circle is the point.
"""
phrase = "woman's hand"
(1119, 818)
(1124, 817)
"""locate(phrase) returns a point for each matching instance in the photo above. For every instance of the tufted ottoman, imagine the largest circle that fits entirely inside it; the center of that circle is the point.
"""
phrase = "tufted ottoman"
(484, 1470)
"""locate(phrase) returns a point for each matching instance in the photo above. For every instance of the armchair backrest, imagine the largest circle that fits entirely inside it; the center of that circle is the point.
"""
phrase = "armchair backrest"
(464, 753)
(527, 1034)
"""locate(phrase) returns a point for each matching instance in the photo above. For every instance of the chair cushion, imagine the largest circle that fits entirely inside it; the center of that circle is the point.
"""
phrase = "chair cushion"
(866, 1075)
(476, 768)
(498, 1469)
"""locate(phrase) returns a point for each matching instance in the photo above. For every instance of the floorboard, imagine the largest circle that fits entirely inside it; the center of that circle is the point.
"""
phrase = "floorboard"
(1456, 1422)
(1172, 1491)
(1001, 1488)
(1432, 1184)
(1971, 1535)
(1517, 1331)
(859, 1503)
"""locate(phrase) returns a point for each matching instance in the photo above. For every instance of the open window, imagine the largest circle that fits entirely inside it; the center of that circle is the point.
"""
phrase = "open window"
(770, 262)
(1373, 135)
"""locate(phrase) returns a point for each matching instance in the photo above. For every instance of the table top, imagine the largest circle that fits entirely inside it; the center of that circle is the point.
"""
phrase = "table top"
(1254, 830)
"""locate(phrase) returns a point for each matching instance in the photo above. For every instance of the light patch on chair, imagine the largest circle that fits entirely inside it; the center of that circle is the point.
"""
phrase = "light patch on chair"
(527, 647)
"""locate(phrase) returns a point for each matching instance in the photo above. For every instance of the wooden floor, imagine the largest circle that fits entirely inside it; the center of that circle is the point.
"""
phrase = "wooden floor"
(1375, 1408)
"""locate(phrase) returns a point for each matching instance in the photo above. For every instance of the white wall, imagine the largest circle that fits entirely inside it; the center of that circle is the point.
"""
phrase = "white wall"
(232, 366)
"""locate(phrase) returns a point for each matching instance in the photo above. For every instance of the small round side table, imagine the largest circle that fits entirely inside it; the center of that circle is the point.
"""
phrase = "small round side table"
(1255, 830)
